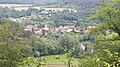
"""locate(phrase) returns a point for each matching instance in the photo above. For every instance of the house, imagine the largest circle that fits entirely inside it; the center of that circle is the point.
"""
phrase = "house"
(38, 30)
(45, 12)
(28, 28)
(77, 31)
(68, 28)
(91, 27)
(46, 28)
(16, 20)
(23, 18)
(87, 30)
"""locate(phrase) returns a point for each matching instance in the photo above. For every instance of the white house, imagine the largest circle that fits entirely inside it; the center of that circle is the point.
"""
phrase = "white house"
(28, 28)
(82, 47)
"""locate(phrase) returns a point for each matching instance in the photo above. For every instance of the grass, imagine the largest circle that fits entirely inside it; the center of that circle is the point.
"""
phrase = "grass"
(51, 60)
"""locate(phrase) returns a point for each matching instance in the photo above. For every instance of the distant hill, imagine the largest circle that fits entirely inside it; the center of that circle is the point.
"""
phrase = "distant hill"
(44, 1)
(21, 1)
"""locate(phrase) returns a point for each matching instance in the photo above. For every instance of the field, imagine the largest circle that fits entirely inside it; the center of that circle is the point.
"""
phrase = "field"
(46, 8)
(15, 5)
(54, 9)
(20, 7)
(59, 62)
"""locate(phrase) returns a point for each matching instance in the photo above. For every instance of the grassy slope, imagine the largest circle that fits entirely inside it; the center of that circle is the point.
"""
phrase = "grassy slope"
(51, 60)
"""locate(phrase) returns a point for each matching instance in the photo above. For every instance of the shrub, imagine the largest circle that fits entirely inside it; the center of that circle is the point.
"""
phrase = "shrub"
(36, 54)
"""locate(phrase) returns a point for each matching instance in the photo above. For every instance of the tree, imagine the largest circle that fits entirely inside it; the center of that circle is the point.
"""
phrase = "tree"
(67, 41)
(33, 62)
(110, 15)
(107, 47)
(48, 46)
(107, 55)
(11, 44)
(41, 46)
(68, 60)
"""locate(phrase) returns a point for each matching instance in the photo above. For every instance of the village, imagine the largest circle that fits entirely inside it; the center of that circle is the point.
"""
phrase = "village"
(31, 25)
(62, 29)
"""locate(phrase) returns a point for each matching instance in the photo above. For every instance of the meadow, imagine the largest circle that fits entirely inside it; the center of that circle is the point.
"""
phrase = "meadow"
(52, 62)
(58, 61)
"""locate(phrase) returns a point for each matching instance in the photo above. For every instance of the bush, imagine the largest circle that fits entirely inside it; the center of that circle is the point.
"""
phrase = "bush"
(36, 54)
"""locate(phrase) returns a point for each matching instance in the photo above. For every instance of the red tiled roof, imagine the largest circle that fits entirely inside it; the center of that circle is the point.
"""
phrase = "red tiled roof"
(69, 27)
(38, 29)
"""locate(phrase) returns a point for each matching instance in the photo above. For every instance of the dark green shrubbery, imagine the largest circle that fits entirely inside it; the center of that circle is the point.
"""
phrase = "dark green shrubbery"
(36, 54)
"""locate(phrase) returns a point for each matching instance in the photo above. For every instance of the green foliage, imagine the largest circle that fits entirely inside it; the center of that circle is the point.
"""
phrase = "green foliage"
(53, 47)
(106, 55)
(41, 46)
(61, 60)
(68, 60)
(107, 37)
(36, 54)
(67, 41)
(33, 62)
(76, 52)
(109, 14)
(11, 44)
(107, 44)
(7, 12)
(47, 46)
(107, 58)
(90, 62)
(113, 59)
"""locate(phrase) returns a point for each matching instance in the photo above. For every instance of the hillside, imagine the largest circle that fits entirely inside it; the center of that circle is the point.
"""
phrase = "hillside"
(44, 1)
